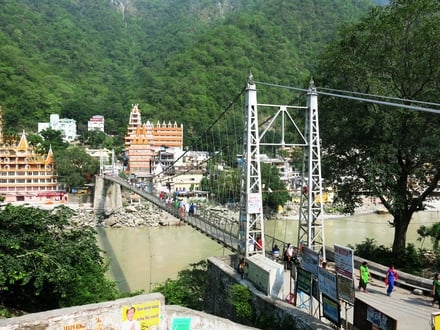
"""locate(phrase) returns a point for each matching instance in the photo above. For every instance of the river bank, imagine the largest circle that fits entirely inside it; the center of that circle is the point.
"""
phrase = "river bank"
(140, 213)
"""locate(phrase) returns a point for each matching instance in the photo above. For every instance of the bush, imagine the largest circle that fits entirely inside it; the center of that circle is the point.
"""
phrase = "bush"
(409, 260)
(240, 299)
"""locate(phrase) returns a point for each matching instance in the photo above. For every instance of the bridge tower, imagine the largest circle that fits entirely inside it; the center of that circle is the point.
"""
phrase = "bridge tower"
(251, 222)
(311, 225)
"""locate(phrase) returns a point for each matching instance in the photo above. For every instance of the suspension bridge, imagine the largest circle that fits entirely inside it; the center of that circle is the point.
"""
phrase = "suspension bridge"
(261, 128)
(241, 234)
(224, 138)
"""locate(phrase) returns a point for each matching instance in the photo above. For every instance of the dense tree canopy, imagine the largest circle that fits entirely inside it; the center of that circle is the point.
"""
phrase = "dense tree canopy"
(389, 152)
(75, 167)
(274, 192)
(180, 60)
(46, 262)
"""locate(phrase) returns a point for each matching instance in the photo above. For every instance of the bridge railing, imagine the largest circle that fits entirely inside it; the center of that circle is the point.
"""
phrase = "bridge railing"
(221, 234)
(212, 222)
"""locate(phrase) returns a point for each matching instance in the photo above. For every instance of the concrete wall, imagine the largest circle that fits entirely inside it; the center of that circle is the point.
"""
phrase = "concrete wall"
(109, 316)
(279, 314)
(108, 196)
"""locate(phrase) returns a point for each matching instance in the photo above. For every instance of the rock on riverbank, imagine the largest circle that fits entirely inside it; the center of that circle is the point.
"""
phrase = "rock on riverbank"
(134, 215)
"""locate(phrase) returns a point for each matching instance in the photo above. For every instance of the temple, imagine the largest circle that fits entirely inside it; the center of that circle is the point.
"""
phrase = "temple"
(26, 176)
(145, 141)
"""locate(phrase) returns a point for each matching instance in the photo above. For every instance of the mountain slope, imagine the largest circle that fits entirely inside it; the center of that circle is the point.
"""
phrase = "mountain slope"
(180, 60)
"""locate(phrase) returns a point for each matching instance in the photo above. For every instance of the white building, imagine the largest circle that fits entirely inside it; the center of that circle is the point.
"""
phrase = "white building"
(178, 171)
(96, 123)
(65, 125)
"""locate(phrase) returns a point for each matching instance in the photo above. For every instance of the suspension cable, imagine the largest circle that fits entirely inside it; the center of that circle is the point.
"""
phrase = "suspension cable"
(228, 107)
(368, 98)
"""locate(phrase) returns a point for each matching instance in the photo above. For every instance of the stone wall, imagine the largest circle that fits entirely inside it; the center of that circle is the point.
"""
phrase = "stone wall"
(279, 314)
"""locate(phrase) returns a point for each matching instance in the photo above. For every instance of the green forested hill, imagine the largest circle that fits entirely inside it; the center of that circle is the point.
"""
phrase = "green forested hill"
(175, 58)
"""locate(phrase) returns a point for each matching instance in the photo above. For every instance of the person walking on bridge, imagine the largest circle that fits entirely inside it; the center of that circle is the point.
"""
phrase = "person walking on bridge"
(364, 276)
(436, 289)
(390, 279)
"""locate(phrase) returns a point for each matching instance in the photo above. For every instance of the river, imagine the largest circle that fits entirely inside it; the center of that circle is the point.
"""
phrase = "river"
(141, 258)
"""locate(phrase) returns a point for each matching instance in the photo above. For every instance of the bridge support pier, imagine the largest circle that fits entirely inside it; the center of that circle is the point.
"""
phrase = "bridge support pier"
(108, 196)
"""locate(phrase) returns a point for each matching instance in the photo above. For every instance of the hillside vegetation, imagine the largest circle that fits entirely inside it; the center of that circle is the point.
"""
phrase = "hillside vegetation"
(180, 60)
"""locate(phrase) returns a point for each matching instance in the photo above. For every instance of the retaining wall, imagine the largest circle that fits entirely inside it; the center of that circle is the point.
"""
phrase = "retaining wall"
(218, 301)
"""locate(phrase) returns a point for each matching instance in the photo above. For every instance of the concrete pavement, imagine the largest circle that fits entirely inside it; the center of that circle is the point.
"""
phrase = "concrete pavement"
(412, 312)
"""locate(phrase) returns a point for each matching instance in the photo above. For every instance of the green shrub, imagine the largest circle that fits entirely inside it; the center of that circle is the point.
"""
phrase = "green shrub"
(241, 300)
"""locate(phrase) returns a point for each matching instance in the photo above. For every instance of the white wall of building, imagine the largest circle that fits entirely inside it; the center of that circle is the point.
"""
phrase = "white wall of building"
(96, 123)
(65, 125)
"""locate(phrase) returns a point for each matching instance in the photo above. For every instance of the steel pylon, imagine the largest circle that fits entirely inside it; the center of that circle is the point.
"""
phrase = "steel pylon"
(311, 224)
(251, 227)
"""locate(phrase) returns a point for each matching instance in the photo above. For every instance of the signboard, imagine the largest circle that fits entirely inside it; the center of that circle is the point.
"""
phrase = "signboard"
(346, 289)
(145, 315)
(181, 323)
(254, 203)
(344, 264)
(331, 310)
(436, 321)
(309, 260)
(304, 281)
(327, 283)
(367, 317)
(378, 319)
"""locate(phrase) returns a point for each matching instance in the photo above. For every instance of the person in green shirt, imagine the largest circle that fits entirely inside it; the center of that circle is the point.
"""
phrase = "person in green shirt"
(436, 289)
(364, 276)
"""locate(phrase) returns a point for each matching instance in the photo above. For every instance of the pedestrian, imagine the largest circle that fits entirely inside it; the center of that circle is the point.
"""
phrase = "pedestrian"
(191, 210)
(259, 244)
(276, 252)
(390, 279)
(364, 276)
(241, 267)
(436, 289)
(288, 257)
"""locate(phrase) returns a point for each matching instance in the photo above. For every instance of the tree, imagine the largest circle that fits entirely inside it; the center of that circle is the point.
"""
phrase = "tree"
(275, 193)
(431, 231)
(188, 289)
(46, 262)
(75, 167)
(51, 138)
(392, 153)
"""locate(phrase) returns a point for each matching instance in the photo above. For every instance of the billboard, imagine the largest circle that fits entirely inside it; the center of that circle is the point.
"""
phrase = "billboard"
(344, 264)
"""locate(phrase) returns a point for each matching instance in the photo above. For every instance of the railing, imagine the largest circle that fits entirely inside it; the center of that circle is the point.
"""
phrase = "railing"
(209, 221)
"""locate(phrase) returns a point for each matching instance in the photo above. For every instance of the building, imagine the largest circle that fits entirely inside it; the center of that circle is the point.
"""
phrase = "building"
(66, 126)
(96, 123)
(26, 176)
(144, 141)
(180, 172)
